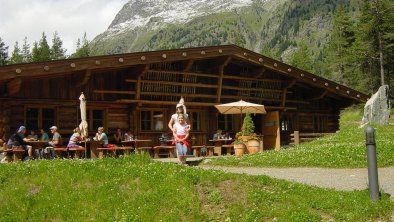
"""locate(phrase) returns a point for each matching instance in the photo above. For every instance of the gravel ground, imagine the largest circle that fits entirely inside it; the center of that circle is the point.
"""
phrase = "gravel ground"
(338, 179)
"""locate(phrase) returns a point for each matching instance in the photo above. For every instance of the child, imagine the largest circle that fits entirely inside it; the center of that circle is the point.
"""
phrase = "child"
(181, 133)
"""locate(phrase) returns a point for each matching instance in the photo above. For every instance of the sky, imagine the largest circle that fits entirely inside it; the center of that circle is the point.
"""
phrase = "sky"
(70, 18)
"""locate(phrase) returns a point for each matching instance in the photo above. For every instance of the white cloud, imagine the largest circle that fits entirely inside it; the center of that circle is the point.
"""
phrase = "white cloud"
(70, 18)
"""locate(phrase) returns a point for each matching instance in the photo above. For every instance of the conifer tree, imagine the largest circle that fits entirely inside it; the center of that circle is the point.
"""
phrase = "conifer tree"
(57, 51)
(365, 49)
(35, 52)
(83, 48)
(16, 56)
(302, 58)
(26, 55)
(41, 51)
(339, 49)
(3, 53)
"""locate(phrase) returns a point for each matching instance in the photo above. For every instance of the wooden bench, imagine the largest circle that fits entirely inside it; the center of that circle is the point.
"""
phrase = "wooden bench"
(170, 150)
(16, 153)
(103, 150)
(298, 137)
(197, 150)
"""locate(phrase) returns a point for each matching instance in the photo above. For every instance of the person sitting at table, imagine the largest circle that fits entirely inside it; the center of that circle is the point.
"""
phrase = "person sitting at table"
(44, 135)
(48, 151)
(32, 135)
(103, 138)
(74, 139)
(128, 136)
(217, 135)
(18, 140)
(181, 134)
(118, 137)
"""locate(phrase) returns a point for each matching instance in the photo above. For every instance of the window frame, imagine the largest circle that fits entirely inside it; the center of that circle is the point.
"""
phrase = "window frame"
(151, 121)
(90, 119)
(227, 122)
(40, 117)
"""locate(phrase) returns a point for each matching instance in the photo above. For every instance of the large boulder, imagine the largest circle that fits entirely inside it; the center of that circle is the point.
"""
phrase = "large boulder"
(377, 108)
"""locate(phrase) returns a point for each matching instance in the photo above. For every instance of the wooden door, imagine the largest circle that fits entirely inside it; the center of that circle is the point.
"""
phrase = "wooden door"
(271, 130)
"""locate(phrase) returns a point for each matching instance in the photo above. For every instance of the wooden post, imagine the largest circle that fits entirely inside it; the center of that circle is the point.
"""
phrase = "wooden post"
(296, 137)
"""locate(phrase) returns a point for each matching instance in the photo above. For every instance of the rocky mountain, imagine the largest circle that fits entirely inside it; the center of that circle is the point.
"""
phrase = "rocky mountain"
(264, 26)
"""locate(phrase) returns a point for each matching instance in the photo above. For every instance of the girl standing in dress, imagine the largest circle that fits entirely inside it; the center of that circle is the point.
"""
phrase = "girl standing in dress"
(181, 134)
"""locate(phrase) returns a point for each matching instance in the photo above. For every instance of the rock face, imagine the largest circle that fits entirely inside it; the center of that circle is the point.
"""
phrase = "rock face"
(377, 108)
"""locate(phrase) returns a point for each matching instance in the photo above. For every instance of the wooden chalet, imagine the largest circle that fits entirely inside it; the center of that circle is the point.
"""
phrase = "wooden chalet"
(139, 91)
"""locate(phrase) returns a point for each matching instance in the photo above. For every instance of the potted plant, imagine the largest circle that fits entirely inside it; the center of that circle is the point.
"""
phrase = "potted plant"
(239, 147)
(253, 145)
(249, 136)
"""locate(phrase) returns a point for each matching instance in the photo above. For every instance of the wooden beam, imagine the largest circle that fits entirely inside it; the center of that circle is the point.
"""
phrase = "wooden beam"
(252, 89)
(144, 69)
(129, 101)
(262, 99)
(189, 65)
(221, 74)
(85, 79)
(185, 73)
(286, 86)
(115, 92)
(204, 104)
(185, 96)
(225, 76)
(260, 73)
(290, 84)
(251, 79)
(319, 96)
(13, 86)
(180, 84)
(284, 93)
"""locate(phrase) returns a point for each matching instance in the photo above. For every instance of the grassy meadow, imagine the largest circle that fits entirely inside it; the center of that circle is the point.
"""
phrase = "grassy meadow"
(135, 188)
(345, 149)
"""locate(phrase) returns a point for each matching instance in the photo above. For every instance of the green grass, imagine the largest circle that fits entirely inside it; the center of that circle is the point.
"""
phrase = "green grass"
(137, 189)
(345, 149)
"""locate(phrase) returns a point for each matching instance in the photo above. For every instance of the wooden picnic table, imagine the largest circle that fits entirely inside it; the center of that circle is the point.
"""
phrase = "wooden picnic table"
(219, 143)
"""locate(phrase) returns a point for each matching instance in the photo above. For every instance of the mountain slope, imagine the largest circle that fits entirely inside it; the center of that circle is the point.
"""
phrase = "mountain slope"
(277, 25)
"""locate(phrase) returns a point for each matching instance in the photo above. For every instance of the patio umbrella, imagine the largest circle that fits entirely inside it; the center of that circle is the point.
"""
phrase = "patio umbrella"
(83, 126)
(240, 107)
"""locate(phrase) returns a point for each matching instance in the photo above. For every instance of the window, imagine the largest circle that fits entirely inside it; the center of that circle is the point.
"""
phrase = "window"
(38, 118)
(195, 121)
(286, 123)
(320, 123)
(95, 118)
(152, 120)
(225, 122)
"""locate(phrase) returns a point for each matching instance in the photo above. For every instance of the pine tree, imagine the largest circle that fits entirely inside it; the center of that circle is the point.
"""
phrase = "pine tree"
(3, 53)
(83, 48)
(26, 55)
(16, 56)
(41, 51)
(35, 52)
(339, 49)
(302, 58)
(57, 51)
(366, 47)
(388, 41)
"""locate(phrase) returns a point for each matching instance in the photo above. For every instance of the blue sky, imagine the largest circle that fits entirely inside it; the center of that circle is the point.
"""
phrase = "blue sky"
(70, 18)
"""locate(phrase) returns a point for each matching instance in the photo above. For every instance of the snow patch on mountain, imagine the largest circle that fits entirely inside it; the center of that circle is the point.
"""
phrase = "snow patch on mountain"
(153, 14)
